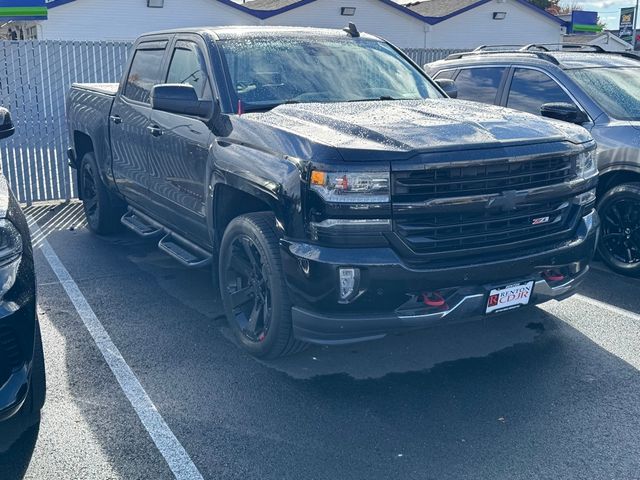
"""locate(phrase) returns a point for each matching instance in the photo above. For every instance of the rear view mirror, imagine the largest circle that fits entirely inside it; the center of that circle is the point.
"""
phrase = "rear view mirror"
(6, 123)
(181, 99)
(449, 87)
(567, 112)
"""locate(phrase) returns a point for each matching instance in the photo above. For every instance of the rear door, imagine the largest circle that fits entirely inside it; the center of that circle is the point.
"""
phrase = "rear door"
(178, 164)
(129, 121)
(480, 83)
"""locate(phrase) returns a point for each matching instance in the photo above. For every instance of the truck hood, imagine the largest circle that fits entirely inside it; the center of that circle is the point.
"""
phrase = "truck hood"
(415, 126)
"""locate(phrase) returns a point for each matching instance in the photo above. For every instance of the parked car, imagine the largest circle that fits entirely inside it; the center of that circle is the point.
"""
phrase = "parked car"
(336, 190)
(587, 86)
(22, 371)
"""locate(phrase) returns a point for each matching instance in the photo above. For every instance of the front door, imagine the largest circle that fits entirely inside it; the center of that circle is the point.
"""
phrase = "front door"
(178, 167)
(129, 122)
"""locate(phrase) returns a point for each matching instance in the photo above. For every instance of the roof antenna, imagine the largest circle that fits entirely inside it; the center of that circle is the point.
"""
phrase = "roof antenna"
(352, 30)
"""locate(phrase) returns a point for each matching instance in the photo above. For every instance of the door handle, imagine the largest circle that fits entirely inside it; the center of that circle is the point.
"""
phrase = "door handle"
(155, 130)
(116, 119)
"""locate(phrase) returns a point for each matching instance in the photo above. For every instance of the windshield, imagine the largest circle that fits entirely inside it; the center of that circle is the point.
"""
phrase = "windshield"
(267, 72)
(616, 90)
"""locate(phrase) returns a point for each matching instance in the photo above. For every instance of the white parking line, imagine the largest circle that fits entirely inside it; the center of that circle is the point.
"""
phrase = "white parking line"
(597, 303)
(170, 448)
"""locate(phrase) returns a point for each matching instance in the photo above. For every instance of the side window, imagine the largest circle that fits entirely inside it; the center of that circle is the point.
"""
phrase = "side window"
(445, 74)
(188, 66)
(479, 84)
(530, 89)
(144, 74)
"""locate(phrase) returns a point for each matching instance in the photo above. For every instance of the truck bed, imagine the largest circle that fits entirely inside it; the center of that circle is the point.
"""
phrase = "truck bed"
(104, 88)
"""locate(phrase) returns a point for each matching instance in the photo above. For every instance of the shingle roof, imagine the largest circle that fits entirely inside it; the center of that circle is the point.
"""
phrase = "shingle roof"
(429, 11)
(269, 4)
(438, 8)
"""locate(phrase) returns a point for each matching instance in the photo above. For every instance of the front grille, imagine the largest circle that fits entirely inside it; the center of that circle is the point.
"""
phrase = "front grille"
(451, 232)
(447, 182)
(466, 229)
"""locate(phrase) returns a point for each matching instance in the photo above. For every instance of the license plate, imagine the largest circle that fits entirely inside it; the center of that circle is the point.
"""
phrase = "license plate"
(510, 297)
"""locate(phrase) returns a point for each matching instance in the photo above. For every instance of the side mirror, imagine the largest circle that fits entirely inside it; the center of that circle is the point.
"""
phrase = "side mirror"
(181, 99)
(567, 112)
(449, 87)
(6, 123)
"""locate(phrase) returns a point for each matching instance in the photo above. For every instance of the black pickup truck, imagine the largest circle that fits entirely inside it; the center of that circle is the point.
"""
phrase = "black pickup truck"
(336, 191)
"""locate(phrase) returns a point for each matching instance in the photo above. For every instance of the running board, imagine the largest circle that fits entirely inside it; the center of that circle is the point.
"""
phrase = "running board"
(141, 224)
(184, 251)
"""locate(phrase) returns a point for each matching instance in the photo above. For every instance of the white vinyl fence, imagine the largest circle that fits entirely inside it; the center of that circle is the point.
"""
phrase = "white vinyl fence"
(35, 77)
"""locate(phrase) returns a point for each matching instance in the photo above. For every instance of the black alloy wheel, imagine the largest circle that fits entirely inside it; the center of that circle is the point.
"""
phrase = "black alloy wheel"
(247, 282)
(619, 246)
(253, 289)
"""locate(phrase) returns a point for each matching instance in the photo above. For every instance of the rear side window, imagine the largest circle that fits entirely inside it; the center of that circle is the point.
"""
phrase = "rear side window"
(188, 66)
(445, 74)
(144, 74)
(530, 89)
(479, 84)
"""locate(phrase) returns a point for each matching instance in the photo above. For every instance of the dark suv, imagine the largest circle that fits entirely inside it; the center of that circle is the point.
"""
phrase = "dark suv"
(587, 86)
(22, 375)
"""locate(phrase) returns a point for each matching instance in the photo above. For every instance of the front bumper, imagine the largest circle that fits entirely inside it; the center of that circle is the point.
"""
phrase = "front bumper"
(388, 286)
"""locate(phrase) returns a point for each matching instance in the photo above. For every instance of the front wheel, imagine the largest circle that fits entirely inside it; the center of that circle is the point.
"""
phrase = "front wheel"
(619, 245)
(253, 289)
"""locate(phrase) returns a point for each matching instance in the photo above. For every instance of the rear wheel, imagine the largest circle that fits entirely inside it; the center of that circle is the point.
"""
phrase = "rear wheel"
(102, 209)
(619, 245)
(253, 289)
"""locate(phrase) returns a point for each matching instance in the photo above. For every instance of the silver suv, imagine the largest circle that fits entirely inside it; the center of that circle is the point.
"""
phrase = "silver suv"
(584, 85)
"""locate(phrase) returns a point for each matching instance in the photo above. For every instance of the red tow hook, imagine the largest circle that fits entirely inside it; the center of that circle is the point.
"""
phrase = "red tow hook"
(433, 299)
(552, 275)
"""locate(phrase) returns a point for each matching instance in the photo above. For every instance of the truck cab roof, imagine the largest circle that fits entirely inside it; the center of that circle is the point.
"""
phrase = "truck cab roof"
(260, 31)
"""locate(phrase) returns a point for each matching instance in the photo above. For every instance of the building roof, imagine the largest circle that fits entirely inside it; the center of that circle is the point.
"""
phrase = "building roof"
(438, 8)
(270, 4)
(428, 11)
(436, 11)
(587, 39)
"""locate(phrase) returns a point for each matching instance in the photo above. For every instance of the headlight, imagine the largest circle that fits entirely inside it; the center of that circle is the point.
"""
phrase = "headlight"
(352, 187)
(586, 164)
(10, 255)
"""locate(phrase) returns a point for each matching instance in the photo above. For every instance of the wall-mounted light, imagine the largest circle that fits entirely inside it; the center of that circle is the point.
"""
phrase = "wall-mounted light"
(499, 15)
(348, 11)
(155, 3)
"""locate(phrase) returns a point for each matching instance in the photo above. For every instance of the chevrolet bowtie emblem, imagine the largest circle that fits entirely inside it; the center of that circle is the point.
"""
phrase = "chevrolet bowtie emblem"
(507, 202)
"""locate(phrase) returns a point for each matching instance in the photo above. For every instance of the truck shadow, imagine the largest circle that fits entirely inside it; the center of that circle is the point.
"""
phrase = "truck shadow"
(523, 396)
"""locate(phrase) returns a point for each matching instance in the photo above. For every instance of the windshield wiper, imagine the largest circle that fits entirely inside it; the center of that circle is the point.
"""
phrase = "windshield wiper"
(267, 107)
(383, 97)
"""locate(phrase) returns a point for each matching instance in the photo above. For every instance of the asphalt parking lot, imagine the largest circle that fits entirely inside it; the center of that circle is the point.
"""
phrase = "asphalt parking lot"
(549, 392)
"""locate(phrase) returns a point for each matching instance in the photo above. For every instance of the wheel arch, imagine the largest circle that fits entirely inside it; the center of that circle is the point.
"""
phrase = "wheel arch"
(615, 176)
(231, 201)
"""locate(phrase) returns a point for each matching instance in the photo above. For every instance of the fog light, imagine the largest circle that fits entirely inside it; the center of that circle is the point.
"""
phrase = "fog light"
(349, 280)
(587, 197)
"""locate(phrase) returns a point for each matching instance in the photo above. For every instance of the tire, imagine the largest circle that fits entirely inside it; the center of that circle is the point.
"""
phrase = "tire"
(101, 209)
(252, 287)
(619, 245)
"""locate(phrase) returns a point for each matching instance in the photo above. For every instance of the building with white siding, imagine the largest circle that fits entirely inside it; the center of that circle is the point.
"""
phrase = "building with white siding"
(428, 24)
(469, 23)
